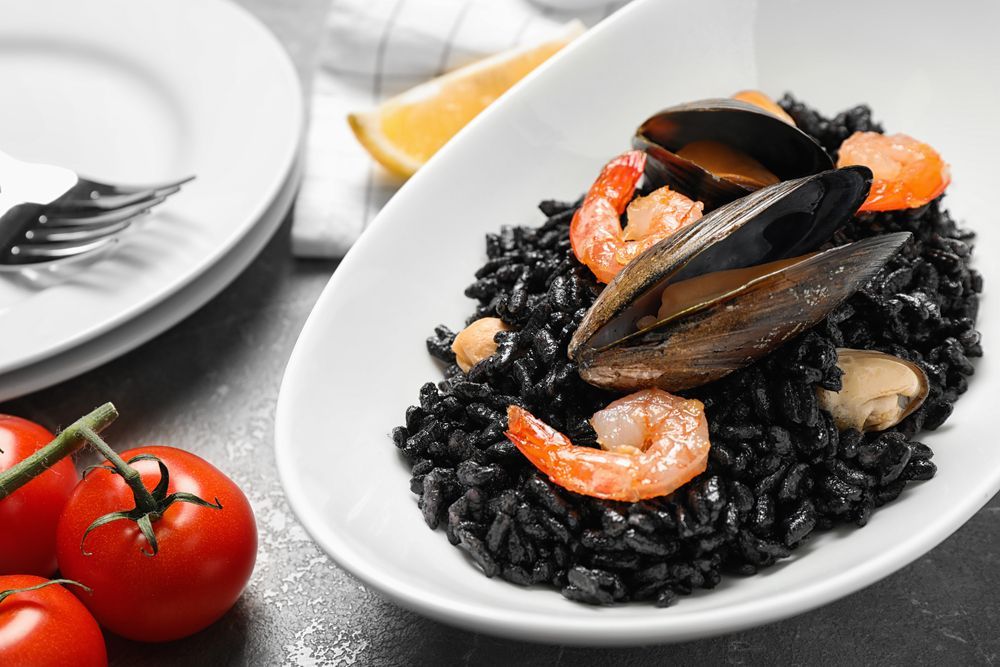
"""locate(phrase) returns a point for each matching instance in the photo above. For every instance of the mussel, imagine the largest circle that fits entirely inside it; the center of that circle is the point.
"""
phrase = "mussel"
(718, 150)
(877, 391)
(738, 283)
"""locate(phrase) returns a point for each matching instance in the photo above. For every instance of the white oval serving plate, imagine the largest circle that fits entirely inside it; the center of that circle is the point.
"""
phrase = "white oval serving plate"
(361, 356)
(137, 91)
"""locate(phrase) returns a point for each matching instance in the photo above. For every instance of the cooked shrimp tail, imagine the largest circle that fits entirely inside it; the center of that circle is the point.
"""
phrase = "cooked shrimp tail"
(596, 232)
(652, 443)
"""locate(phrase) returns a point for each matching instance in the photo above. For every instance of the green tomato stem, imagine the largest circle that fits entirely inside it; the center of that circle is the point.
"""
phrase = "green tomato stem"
(67, 442)
(144, 501)
(150, 505)
(5, 594)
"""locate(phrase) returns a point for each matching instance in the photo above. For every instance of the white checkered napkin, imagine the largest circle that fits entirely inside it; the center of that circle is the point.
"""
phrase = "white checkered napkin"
(374, 49)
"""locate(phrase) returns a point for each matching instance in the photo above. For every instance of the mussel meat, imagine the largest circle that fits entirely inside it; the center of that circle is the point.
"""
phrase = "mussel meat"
(718, 150)
(877, 391)
(727, 290)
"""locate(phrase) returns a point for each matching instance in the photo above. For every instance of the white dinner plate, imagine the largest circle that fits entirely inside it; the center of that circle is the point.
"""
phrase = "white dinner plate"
(137, 91)
(162, 316)
(361, 357)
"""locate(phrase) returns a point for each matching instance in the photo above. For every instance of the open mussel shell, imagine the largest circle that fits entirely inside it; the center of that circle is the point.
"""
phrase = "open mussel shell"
(713, 339)
(777, 222)
(748, 313)
(785, 150)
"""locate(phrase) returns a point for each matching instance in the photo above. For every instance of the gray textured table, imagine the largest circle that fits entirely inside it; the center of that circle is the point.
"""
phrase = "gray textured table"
(210, 385)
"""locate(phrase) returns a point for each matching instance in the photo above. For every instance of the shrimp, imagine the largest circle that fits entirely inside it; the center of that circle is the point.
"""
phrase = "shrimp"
(596, 233)
(908, 173)
(652, 443)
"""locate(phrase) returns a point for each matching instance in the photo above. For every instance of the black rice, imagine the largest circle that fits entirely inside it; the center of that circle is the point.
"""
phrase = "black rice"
(779, 470)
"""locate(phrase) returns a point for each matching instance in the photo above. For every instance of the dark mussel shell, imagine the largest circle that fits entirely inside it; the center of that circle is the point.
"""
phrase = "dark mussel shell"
(784, 220)
(711, 338)
(785, 150)
(729, 333)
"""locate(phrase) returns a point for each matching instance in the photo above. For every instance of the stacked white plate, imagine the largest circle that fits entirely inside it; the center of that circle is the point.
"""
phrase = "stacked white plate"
(133, 92)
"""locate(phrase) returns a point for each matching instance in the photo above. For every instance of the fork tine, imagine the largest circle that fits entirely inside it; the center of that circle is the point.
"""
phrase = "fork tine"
(70, 206)
(89, 219)
(88, 195)
(27, 253)
(94, 189)
(119, 201)
(119, 189)
(77, 233)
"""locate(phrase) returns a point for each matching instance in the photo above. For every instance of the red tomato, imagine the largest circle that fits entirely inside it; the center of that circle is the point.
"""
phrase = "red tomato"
(47, 627)
(205, 555)
(28, 517)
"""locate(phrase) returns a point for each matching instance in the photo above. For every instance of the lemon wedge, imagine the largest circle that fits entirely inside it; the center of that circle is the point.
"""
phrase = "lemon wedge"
(405, 131)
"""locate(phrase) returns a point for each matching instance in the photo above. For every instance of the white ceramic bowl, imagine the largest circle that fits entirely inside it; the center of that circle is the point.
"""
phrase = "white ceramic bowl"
(361, 356)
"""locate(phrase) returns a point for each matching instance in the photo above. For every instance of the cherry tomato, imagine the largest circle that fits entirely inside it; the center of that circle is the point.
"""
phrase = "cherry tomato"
(205, 556)
(28, 517)
(47, 627)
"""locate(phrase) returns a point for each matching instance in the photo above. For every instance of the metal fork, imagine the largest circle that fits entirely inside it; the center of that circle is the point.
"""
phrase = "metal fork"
(49, 215)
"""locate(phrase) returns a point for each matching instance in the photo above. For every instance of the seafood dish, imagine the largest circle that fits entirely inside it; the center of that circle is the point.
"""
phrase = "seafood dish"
(728, 345)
